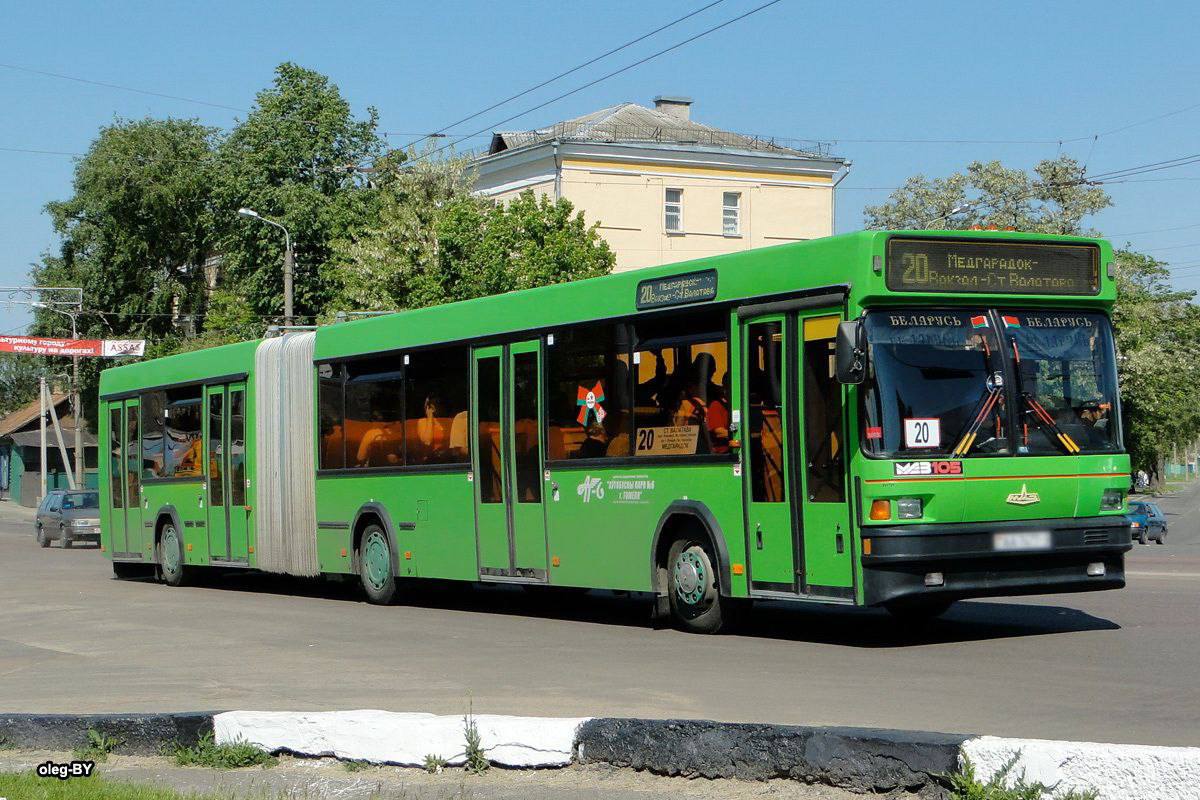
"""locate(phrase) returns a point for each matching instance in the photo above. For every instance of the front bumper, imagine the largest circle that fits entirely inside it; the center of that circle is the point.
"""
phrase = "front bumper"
(901, 556)
(87, 533)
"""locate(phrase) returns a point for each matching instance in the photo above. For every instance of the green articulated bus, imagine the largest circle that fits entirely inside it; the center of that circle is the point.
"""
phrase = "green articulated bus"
(895, 418)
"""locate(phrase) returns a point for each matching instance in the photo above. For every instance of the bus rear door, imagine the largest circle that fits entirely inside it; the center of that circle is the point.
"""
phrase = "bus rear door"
(507, 462)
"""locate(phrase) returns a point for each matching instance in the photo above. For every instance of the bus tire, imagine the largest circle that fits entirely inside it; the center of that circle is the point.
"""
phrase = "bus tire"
(695, 597)
(375, 566)
(170, 556)
(922, 611)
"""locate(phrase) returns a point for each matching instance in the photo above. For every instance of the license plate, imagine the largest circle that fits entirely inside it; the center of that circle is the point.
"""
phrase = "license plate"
(1021, 540)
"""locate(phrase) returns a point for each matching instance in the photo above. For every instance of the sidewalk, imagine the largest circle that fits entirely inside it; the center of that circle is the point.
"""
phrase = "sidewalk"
(15, 511)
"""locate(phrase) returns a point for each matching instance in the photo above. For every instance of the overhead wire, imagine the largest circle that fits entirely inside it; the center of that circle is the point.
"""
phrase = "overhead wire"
(563, 74)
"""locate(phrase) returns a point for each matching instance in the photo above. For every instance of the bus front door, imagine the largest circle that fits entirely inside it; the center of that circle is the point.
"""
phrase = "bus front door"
(125, 496)
(821, 462)
(800, 539)
(766, 398)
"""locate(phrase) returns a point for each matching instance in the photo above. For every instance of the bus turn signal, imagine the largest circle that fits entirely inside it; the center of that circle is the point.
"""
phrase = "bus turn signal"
(881, 509)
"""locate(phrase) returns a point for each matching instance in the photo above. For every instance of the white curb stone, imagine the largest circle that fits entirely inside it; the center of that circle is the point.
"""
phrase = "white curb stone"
(402, 738)
(1117, 771)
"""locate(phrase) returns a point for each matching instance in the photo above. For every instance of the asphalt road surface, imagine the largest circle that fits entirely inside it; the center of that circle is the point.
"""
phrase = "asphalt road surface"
(1111, 666)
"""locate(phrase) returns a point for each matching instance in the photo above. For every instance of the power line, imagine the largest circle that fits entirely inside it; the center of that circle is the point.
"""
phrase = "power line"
(1155, 230)
(605, 77)
(560, 75)
(1171, 247)
(118, 87)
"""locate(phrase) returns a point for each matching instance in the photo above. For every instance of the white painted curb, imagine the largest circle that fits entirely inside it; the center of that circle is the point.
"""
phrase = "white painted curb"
(402, 738)
(1117, 771)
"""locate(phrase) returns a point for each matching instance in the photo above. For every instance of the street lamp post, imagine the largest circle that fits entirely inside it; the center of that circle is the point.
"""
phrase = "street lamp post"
(289, 260)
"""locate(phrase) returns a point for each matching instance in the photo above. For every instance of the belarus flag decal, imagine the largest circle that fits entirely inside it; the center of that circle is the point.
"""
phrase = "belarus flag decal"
(979, 322)
(1011, 322)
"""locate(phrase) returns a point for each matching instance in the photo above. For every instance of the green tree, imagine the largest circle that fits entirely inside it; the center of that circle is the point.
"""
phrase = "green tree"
(293, 159)
(18, 381)
(1054, 199)
(435, 242)
(1158, 337)
(136, 231)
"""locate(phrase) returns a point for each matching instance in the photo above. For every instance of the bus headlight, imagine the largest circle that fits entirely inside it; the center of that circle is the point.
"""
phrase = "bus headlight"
(909, 508)
(1112, 500)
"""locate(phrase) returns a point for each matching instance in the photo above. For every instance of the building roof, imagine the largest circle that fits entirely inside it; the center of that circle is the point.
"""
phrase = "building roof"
(630, 122)
(34, 439)
(28, 413)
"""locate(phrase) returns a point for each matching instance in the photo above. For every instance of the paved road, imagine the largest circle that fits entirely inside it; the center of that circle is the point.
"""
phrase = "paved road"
(1113, 666)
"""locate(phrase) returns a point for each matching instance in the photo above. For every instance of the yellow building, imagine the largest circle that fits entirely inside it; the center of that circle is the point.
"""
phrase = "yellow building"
(665, 188)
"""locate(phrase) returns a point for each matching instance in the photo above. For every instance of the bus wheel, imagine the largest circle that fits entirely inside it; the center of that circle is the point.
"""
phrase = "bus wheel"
(375, 566)
(919, 611)
(696, 603)
(170, 556)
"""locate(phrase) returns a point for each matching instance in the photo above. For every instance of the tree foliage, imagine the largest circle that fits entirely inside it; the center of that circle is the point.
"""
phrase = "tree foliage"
(293, 160)
(435, 242)
(152, 234)
(137, 228)
(1054, 199)
(1158, 337)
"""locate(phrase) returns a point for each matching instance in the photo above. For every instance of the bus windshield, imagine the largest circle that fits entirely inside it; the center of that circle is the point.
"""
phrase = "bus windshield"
(935, 386)
(937, 383)
(1066, 381)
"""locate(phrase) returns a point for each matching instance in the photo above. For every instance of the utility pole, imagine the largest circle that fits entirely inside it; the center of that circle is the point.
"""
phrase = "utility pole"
(42, 441)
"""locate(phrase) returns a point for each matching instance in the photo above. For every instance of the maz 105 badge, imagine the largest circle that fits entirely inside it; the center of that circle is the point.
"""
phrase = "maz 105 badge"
(933, 468)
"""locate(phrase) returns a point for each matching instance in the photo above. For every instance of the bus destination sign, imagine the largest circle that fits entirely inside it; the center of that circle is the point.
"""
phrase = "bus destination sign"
(949, 265)
(677, 290)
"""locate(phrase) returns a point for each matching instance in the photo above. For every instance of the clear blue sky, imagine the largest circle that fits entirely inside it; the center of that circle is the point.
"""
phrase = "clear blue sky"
(840, 72)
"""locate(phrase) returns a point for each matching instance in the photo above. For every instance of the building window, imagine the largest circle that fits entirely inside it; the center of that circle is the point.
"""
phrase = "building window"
(673, 209)
(731, 223)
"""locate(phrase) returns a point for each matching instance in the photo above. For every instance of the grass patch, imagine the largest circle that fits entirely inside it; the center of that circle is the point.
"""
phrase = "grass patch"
(477, 761)
(355, 765)
(207, 753)
(434, 764)
(965, 785)
(97, 747)
(28, 786)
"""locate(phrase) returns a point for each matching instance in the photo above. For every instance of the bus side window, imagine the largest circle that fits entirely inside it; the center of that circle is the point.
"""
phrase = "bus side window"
(589, 403)
(374, 425)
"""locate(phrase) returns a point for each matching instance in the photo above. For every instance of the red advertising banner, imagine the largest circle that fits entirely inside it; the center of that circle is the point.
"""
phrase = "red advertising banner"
(107, 348)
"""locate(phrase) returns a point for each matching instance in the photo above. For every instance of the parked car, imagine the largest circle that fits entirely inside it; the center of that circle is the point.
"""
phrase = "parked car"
(1148, 521)
(68, 516)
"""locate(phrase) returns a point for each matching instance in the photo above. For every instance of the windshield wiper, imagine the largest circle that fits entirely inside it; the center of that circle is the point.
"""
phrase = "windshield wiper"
(1047, 422)
(968, 436)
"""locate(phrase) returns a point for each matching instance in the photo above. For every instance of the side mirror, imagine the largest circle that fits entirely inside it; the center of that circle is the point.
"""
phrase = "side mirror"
(851, 353)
